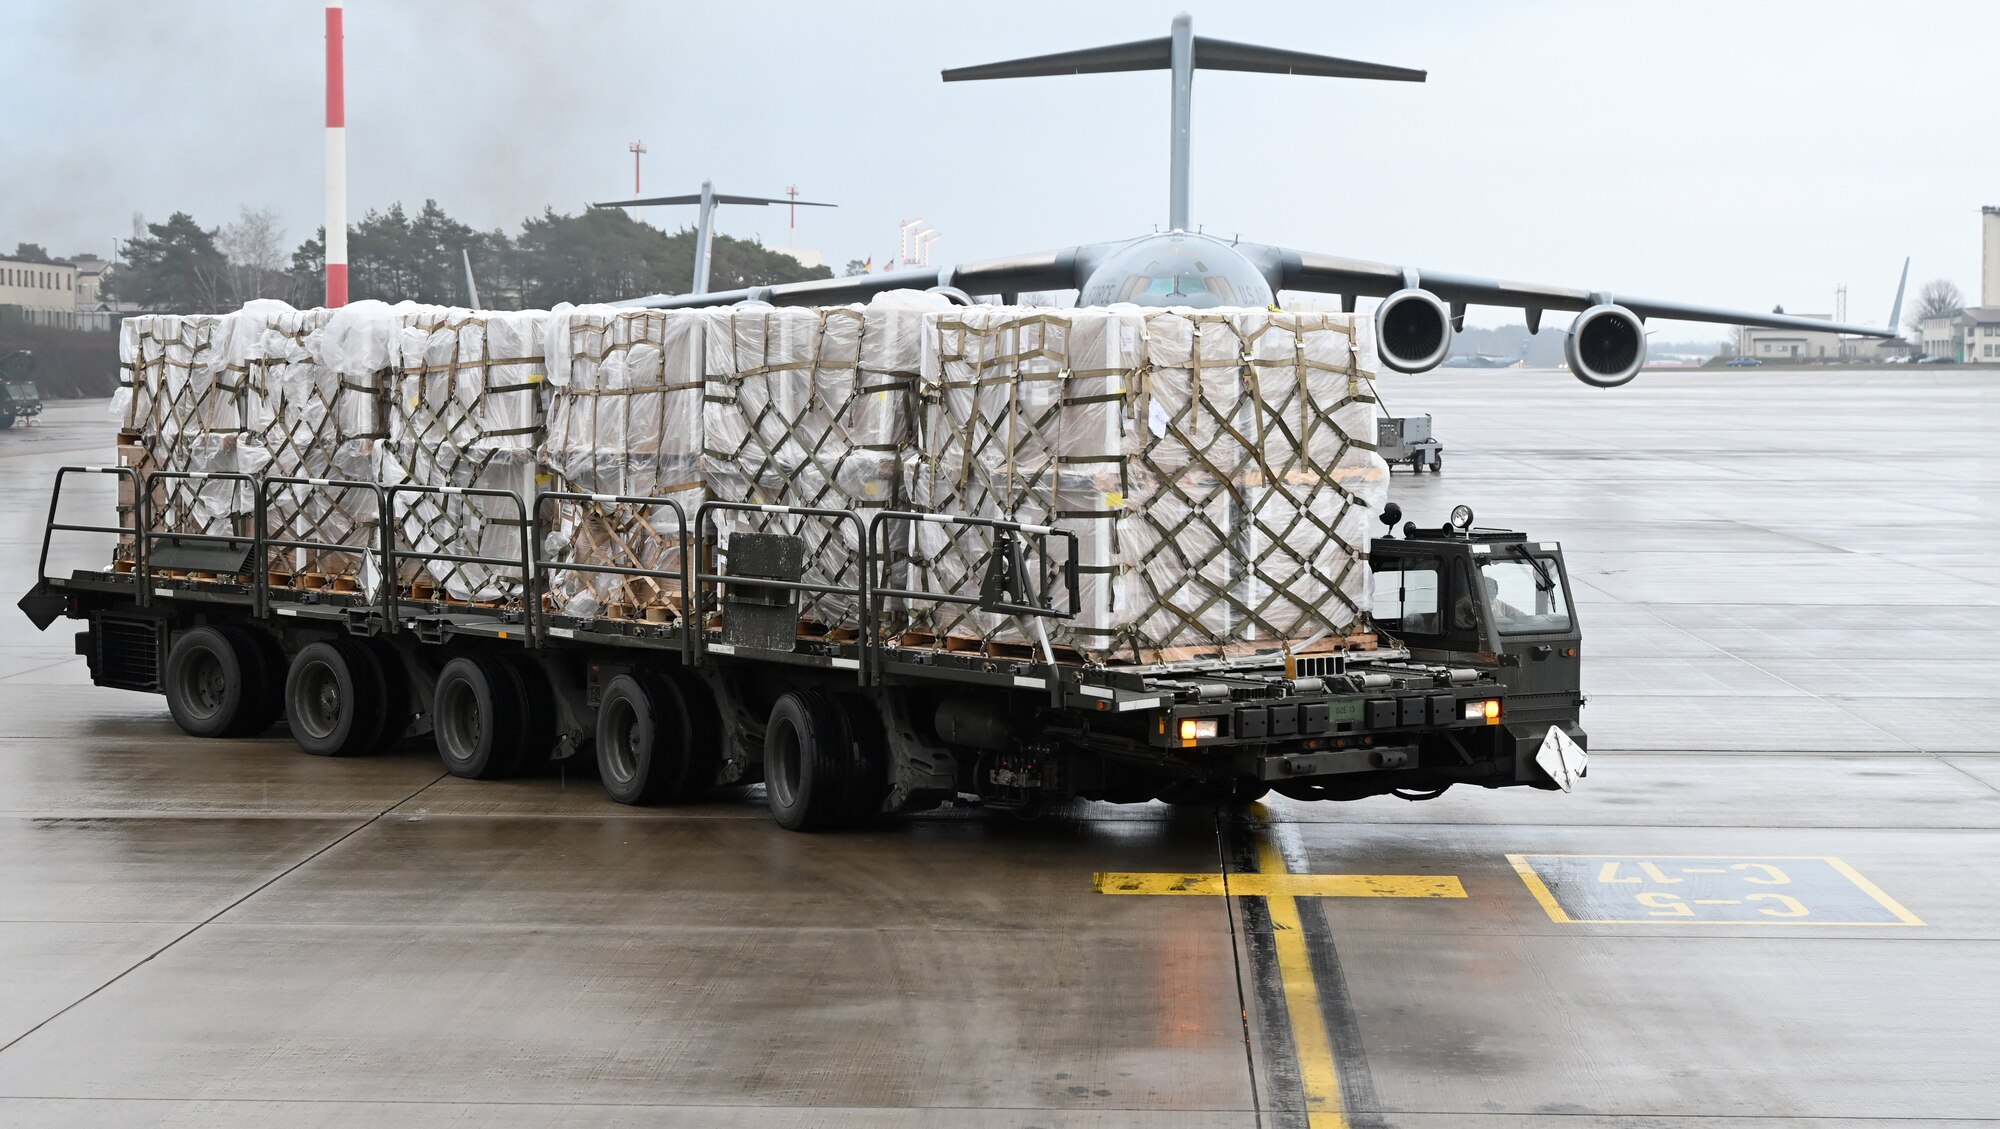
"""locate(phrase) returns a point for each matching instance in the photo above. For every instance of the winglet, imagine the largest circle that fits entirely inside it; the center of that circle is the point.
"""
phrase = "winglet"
(1896, 311)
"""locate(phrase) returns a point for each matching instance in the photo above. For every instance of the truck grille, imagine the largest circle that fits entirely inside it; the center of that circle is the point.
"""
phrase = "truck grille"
(127, 653)
(1541, 707)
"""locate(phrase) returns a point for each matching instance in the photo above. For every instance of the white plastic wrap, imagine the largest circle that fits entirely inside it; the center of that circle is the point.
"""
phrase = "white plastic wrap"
(465, 411)
(810, 407)
(624, 419)
(188, 401)
(1217, 466)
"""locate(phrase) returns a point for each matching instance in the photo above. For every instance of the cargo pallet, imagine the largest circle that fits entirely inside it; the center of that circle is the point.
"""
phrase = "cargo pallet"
(842, 725)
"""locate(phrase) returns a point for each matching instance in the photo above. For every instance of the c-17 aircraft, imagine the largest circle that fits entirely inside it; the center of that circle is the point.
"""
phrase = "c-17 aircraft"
(1420, 308)
(1490, 360)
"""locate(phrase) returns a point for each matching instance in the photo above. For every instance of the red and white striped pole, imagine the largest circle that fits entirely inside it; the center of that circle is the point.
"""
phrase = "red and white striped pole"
(336, 161)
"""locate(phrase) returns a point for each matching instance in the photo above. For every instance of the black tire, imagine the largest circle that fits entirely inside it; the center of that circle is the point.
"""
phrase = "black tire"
(868, 785)
(808, 762)
(266, 703)
(398, 700)
(642, 741)
(1437, 463)
(334, 695)
(214, 683)
(477, 718)
(538, 713)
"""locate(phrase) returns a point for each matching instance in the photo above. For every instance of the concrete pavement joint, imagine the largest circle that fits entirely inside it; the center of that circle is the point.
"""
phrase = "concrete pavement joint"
(261, 887)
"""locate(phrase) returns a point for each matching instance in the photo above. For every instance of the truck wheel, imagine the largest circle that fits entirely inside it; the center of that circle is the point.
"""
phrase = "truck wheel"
(868, 785)
(267, 674)
(334, 698)
(215, 685)
(398, 702)
(649, 747)
(1437, 463)
(477, 717)
(538, 712)
(808, 762)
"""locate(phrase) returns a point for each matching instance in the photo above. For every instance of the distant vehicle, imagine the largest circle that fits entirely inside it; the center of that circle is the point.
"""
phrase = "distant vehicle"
(1744, 362)
(1407, 441)
(1934, 360)
(18, 397)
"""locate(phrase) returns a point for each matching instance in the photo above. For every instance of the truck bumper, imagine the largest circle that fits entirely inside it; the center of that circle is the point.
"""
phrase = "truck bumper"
(1527, 741)
(1275, 767)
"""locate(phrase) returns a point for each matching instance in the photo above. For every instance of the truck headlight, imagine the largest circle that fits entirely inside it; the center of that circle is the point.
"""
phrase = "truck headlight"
(1196, 728)
(1485, 709)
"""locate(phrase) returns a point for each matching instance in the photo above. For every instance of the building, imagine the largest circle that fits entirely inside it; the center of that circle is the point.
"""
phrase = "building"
(1790, 344)
(1979, 334)
(39, 293)
(1971, 335)
(1989, 259)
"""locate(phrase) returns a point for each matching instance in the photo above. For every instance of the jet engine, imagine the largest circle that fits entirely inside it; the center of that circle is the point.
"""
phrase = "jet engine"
(1412, 330)
(1606, 346)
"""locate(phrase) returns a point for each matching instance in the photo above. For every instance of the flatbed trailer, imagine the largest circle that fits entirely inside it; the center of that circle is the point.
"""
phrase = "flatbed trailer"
(1461, 684)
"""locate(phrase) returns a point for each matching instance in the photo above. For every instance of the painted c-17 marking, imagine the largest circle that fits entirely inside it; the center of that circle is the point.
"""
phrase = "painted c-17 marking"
(1725, 890)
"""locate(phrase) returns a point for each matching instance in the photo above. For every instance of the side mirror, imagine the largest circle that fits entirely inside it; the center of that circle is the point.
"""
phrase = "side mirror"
(1391, 514)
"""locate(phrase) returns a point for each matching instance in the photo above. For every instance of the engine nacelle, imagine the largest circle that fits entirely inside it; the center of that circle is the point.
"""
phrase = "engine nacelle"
(1606, 346)
(1412, 330)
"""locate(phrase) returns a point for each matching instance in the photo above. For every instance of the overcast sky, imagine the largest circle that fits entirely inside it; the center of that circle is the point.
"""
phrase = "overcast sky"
(1741, 154)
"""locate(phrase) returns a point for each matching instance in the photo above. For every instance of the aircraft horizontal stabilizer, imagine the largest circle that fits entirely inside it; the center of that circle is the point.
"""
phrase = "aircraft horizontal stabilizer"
(1209, 54)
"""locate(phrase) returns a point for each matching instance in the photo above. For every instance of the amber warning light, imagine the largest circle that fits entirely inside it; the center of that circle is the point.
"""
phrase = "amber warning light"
(1487, 710)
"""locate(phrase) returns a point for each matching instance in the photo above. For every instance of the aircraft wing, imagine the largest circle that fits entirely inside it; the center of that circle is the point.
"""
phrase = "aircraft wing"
(814, 292)
(1043, 270)
(1331, 274)
(717, 197)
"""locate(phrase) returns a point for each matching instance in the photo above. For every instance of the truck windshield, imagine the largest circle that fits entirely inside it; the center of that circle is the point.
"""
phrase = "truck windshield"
(1525, 600)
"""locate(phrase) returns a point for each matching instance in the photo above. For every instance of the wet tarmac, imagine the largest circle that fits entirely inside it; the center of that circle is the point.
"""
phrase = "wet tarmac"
(1773, 903)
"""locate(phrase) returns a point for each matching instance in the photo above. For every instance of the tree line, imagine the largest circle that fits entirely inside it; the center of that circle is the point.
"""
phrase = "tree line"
(597, 255)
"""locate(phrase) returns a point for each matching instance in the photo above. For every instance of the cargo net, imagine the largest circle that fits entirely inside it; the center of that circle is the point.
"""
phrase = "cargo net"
(466, 414)
(1218, 469)
(624, 419)
(185, 405)
(809, 408)
(321, 424)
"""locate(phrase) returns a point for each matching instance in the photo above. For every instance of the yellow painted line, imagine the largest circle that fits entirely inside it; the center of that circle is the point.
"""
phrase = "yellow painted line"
(1271, 885)
(1540, 890)
(1874, 891)
(1319, 1074)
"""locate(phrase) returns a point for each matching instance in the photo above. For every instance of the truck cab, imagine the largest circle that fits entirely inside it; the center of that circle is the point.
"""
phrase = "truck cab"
(1489, 599)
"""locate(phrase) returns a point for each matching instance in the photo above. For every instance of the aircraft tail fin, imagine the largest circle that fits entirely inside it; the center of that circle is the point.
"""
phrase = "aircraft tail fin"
(1183, 52)
(1896, 311)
